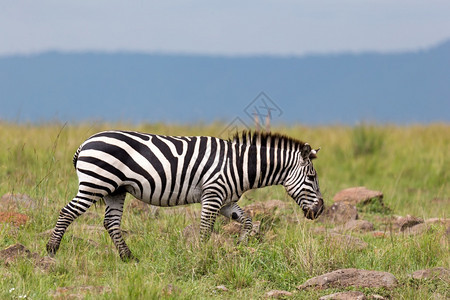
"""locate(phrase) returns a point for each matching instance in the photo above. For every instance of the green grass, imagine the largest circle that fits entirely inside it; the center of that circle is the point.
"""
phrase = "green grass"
(409, 164)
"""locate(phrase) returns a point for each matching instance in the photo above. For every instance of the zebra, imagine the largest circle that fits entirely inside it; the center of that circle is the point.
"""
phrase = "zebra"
(177, 170)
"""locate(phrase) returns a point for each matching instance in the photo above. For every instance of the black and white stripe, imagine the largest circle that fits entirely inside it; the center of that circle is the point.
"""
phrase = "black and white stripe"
(176, 170)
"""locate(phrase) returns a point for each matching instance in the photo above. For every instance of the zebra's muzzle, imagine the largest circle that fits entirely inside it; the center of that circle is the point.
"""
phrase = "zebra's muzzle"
(314, 211)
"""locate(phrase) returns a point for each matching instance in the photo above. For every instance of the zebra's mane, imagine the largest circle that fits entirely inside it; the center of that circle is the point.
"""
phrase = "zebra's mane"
(258, 138)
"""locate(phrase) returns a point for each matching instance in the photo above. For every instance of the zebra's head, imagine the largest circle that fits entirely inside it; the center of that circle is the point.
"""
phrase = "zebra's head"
(302, 183)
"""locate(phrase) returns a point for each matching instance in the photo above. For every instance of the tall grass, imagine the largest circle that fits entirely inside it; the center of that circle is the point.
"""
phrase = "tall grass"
(408, 164)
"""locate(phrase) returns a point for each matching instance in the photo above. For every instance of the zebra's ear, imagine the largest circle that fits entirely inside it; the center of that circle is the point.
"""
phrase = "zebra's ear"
(306, 151)
(313, 153)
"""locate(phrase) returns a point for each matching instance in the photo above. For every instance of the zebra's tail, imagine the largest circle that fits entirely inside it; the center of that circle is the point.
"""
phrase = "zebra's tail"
(75, 157)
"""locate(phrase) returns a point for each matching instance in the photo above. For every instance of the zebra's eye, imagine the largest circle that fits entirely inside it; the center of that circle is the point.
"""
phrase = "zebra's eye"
(311, 177)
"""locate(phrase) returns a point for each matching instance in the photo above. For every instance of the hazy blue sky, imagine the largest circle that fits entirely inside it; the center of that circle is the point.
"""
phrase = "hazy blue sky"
(222, 27)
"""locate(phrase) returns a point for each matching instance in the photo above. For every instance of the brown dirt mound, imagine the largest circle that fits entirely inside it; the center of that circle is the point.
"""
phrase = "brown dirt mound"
(17, 219)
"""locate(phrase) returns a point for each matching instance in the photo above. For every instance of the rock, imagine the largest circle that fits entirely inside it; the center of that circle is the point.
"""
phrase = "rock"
(408, 221)
(346, 241)
(78, 292)
(376, 297)
(16, 251)
(351, 295)
(255, 209)
(256, 228)
(270, 207)
(222, 288)
(438, 221)
(45, 263)
(10, 201)
(357, 195)
(339, 213)
(232, 228)
(274, 204)
(355, 225)
(277, 294)
(14, 218)
(417, 229)
(352, 277)
(13, 252)
(432, 274)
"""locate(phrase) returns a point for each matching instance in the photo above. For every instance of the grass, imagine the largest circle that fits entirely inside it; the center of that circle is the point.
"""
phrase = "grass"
(409, 164)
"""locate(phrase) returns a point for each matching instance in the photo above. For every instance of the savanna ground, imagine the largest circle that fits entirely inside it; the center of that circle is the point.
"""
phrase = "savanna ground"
(408, 164)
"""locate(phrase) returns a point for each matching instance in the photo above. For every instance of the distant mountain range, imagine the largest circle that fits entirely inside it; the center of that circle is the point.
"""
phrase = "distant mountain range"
(399, 88)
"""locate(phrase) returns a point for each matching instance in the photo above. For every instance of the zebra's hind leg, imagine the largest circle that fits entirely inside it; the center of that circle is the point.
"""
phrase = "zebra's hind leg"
(236, 213)
(67, 215)
(113, 218)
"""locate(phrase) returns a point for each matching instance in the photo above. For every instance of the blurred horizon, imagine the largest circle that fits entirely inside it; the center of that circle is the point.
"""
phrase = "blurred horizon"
(302, 62)
(398, 88)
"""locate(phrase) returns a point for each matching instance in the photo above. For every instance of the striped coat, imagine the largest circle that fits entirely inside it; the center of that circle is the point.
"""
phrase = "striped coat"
(169, 171)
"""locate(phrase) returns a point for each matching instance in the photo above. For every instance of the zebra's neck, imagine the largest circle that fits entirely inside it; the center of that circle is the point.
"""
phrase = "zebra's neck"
(258, 166)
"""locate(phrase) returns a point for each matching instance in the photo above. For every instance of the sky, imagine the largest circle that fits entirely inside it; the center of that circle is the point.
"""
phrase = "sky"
(253, 27)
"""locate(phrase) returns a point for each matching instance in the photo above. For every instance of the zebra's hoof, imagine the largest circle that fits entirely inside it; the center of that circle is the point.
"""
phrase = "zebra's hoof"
(128, 257)
(51, 249)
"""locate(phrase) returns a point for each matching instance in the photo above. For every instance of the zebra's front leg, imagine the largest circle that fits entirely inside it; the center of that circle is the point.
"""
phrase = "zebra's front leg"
(236, 213)
(211, 204)
(113, 218)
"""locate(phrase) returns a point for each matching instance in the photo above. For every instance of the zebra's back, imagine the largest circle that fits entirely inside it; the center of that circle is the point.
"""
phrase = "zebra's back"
(160, 170)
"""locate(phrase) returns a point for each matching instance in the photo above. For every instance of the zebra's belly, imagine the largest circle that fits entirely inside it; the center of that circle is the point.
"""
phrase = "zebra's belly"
(187, 196)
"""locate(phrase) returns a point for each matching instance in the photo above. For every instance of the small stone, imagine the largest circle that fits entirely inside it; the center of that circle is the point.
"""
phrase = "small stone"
(432, 274)
(16, 251)
(416, 229)
(408, 221)
(339, 213)
(256, 228)
(222, 288)
(255, 209)
(352, 277)
(357, 195)
(232, 228)
(355, 225)
(13, 252)
(264, 208)
(274, 204)
(45, 263)
(376, 297)
(438, 221)
(351, 295)
(277, 294)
